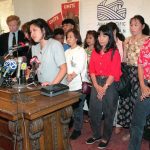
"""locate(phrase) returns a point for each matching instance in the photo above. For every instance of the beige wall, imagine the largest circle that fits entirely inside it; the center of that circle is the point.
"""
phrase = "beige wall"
(6, 9)
(48, 8)
(28, 9)
(37, 8)
(31, 9)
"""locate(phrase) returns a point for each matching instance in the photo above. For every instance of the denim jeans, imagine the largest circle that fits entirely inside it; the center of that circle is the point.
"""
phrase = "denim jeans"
(107, 105)
(78, 113)
(141, 111)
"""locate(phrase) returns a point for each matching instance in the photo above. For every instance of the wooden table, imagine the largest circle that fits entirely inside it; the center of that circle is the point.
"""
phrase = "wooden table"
(31, 121)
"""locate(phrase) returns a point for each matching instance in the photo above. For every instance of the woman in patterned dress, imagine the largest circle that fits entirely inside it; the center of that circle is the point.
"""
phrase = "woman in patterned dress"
(140, 31)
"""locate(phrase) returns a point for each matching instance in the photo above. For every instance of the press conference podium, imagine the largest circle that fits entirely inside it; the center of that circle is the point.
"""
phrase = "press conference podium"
(31, 121)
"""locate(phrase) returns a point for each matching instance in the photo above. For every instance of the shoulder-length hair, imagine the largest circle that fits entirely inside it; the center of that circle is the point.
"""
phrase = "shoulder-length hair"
(76, 35)
(90, 32)
(106, 30)
(42, 24)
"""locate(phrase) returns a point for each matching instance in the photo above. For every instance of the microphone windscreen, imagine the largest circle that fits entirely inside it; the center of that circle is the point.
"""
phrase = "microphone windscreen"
(23, 66)
(21, 44)
(6, 63)
(13, 64)
(20, 59)
(34, 59)
(10, 63)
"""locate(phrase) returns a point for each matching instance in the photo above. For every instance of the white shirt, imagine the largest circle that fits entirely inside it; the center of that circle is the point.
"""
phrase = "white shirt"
(10, 38)
(76, 59)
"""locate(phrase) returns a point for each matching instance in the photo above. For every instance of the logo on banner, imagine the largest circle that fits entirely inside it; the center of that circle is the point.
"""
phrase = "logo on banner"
(111, 11)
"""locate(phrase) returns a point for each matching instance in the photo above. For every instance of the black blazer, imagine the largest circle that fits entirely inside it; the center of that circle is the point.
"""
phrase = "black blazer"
(4, 44)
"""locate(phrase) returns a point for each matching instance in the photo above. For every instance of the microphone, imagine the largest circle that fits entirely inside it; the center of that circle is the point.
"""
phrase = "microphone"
(8, 69)
(20, 59)
(10, 66)
(23, 69)
(34, 62)
(20, 79)
(20, 45)
(15, 48)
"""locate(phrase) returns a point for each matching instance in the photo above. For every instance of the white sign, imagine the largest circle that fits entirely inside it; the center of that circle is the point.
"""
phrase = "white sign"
(94, 13)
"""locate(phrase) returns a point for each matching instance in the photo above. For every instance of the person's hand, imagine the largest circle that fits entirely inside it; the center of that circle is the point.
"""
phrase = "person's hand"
(145, 92)
(100, 92)
(46, 83)
(99, 97)
(69, 77)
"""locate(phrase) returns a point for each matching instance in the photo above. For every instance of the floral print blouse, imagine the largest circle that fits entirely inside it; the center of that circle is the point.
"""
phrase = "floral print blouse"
(132, 50)
(144, 59)
(89, 52)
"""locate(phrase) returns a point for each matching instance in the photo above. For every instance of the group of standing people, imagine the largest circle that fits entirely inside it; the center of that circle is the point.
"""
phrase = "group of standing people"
(63, 59)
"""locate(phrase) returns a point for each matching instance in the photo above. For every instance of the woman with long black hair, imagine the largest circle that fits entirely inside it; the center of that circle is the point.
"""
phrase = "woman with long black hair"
(105, 70)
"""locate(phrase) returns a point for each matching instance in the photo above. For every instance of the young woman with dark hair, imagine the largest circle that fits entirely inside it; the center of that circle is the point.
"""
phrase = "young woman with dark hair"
(105, 70)
(89, 43)
(50, 53)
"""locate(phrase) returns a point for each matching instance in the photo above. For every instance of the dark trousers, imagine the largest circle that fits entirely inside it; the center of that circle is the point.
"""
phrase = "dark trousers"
(141, 111)
(78, 113)
(107, 105)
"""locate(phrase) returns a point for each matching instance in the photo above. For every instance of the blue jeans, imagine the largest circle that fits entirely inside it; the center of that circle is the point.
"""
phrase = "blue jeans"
(141, 111)
(78, 113)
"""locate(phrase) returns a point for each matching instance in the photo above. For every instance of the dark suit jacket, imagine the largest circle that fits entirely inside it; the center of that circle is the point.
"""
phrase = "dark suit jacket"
(4, 44)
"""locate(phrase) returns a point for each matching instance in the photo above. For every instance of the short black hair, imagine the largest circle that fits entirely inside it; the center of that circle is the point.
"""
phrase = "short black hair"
(58, 31)
(69, 21)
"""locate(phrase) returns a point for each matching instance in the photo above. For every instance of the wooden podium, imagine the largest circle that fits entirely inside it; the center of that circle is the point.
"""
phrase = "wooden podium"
(31, 121)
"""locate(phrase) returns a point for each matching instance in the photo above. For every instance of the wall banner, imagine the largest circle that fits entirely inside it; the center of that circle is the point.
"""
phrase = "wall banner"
(68, 10)
(55, 21)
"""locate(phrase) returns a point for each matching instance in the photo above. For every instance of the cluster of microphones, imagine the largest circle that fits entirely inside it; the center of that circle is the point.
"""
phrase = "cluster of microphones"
(15, 68)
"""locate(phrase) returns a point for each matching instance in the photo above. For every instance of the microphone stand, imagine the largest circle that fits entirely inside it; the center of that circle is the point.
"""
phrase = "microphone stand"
(19, 86)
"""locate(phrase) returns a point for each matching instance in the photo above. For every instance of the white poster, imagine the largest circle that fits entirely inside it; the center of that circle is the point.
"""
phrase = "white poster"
(94, 13)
